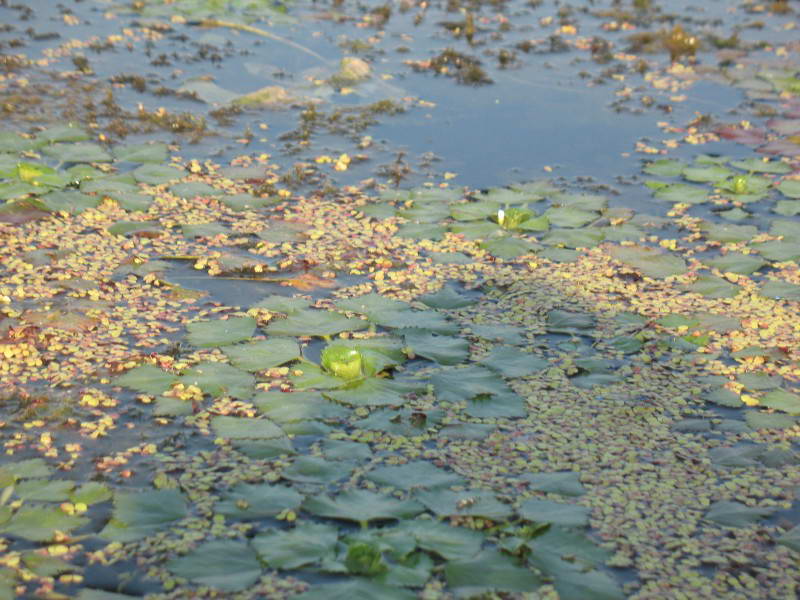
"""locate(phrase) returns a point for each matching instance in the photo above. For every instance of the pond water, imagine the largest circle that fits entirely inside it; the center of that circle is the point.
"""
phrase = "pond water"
(394, 300)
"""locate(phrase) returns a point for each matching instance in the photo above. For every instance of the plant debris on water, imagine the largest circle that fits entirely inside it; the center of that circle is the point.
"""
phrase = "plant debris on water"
(258, 340)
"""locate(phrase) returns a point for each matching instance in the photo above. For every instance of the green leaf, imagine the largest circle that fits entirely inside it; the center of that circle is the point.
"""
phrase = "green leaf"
(75, 153)
(62, 133)
(460, 384)
(262, 354)
(562, 321)
(627, 344)
(449, 258)
(572, 583)
(472, 503)
(90, 594)
(428, 320)
(665, 167)
(355, 589)
(220, 379)
(370, 392)
(237, 428)
(246, 501)
(346, 450)
(425, 212)
(14, 189)
(142, 153)
(111, 183)
(221, 332)
(415, 474)
(757, 165)
(508, 247)
(25, 469)
(710, 173)
(590, 202)
(147, 379)
(446, 298)
(507, 334)
(651, 262)
(372, 304)
(45, 490)
(131, 201)
(504, 406)
(193, 189)
(47, 566)
(12, 142)
(204, 229)
(476, 230)
(570, 216)
(306, 544)
(759, 381)
(546, 511)
(488, 571)
(566, 483)
(783, 401)
(361, 506)
(240, 202)
(588, 237)
(72, 202)
(313, 322)
(313, 469)
(681, 193)
(735, 514)
(761, 420)
(474, 211)
(226, 565)
(449, 542)
(134, 227)
(39, 523)
(565, 543)
(513, 362)
(724, 397)
(442, 349)
(282, 304)
(91, 492)
(790, 188)
(313, 377)
(791, 539)
(778, 251)
(139, 514)
(421, 231)
(720, 232)
(735, 262)
(787, 208)
(711, 286)
(157, 174)
(540, 223)
(735, 456)
(780, 290)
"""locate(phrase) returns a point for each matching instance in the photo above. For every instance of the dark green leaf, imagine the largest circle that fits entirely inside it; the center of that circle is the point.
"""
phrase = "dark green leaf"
(546, 511)
(415, 474)
(226, 565)
(304, 545)
(237, 428)
(361, 506)
(262, 354)
(488, 571)
(313, 322)
(442, 349)
(220, 332)
(513, 362)
(246, 501)
(735, 514)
